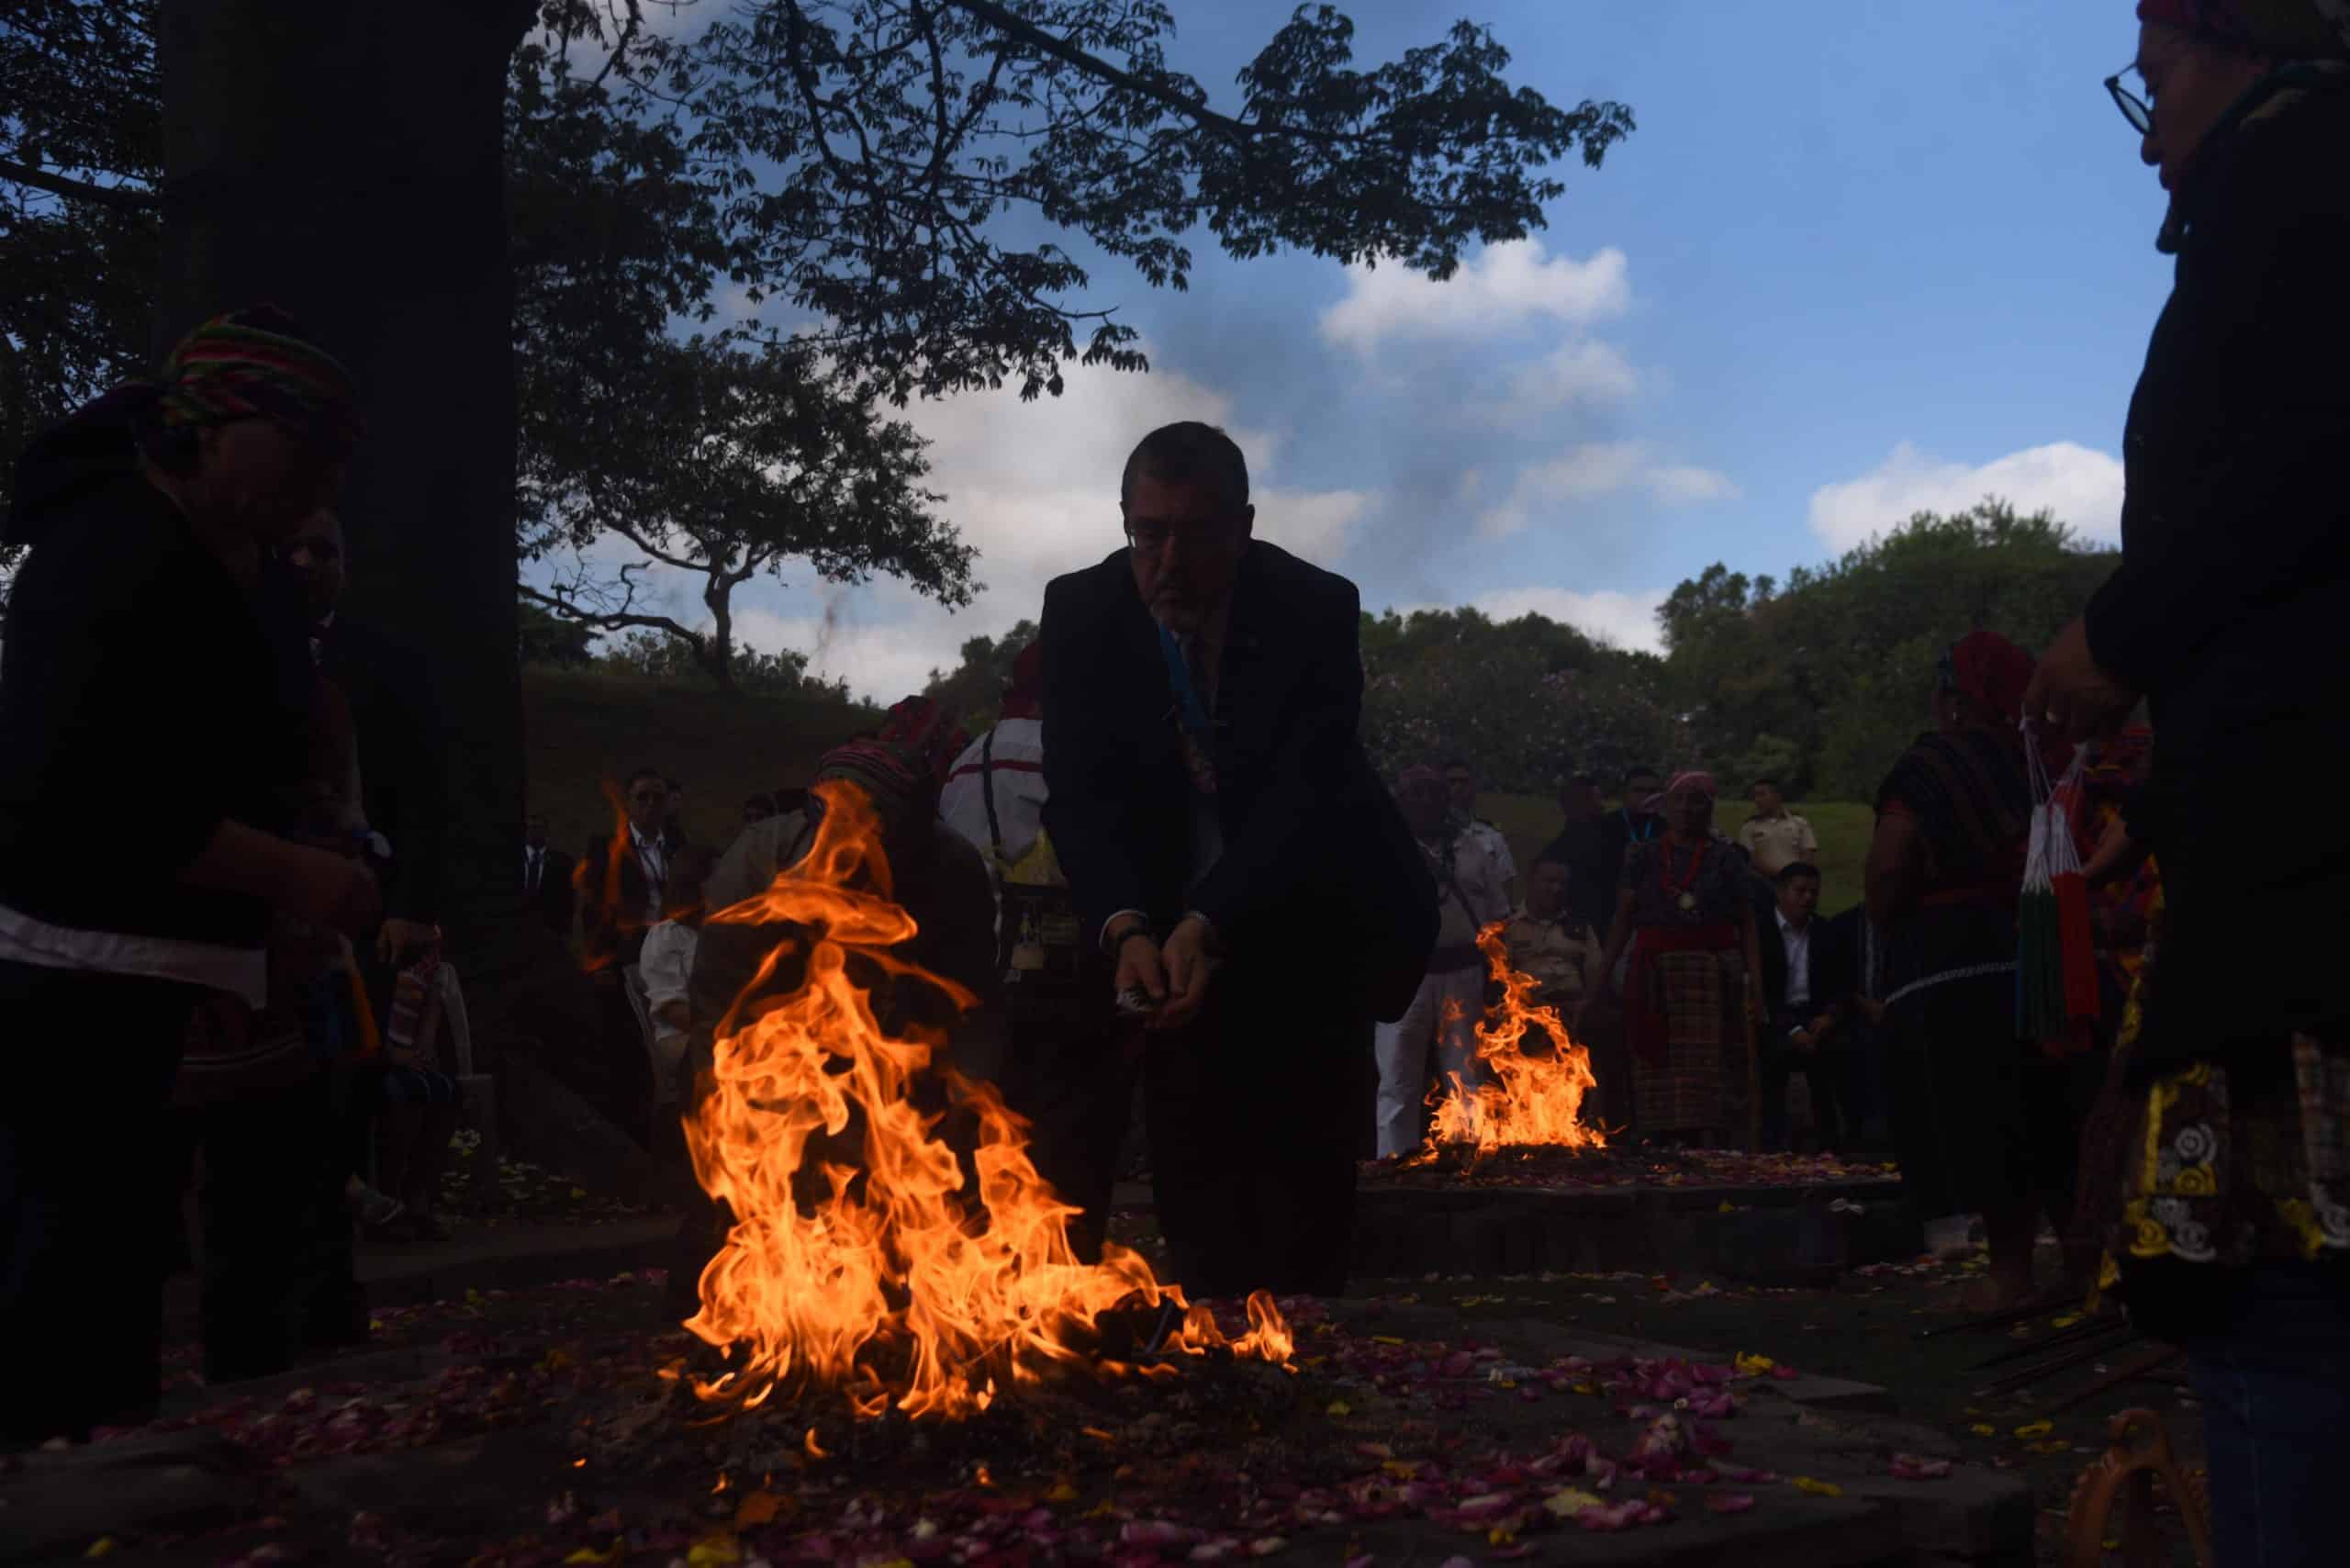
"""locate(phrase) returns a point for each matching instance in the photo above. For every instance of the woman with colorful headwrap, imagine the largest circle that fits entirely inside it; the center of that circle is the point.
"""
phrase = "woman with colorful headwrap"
(146, 636)
(1984, 1122)
(2226, 615)
(1684, 912)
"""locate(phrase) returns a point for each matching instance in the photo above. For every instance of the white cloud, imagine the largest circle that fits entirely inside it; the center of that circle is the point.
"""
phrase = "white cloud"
(2081, 485)
(1624, 620)
(1505, 286)
(1583, 371)
(1595, 469)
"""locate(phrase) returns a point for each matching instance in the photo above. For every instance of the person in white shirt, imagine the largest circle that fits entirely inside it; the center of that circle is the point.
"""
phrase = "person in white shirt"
(1460, 781)
(1472, 890)
(1807, 978)
(666, 969)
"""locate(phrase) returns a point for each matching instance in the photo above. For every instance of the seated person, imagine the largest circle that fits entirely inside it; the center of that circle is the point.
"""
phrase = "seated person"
(1808, 981)
(1548, 943)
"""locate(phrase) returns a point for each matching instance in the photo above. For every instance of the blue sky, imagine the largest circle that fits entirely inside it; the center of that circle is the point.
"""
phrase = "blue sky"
(1859, 258)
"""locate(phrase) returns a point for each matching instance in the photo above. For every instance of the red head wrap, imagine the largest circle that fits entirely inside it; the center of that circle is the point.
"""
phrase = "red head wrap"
(1026, 697)
(1701, 782)
(1991, 671)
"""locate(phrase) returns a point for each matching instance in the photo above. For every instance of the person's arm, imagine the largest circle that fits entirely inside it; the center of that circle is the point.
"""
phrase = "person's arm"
(1089, 777)
(1890, 881)
(405, 769)
(1284, 837)
(1749, 944)
(1619, 937)
(316, 885)
(1808, 843)
(2266, 301)
(2117, 855)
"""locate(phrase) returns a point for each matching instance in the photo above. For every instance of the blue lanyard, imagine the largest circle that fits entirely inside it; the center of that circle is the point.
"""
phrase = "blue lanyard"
(1187, 697)
(1648, 828)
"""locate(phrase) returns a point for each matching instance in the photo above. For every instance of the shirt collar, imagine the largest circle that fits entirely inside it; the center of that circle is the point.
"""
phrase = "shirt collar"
(1789, 926)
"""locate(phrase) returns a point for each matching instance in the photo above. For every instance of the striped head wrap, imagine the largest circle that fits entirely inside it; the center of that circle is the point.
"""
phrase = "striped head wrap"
(888, 774)
(1696, 781)
(257, 362)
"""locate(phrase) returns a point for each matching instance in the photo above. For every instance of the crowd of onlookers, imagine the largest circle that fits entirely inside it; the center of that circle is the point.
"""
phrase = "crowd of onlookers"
(1623, 920)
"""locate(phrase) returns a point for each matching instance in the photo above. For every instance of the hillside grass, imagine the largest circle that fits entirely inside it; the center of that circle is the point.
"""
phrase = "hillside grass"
(582, 727)
(1529, 822)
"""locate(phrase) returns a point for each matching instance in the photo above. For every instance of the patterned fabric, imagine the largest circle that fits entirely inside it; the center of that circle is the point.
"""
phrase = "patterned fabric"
(2231, 1165)
(257, 362)
(1682, 1088)
(901, 768)
(1973, 802)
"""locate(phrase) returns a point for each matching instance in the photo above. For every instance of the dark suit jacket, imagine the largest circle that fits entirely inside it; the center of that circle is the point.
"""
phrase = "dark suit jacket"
(1834, 974)
(614, 928)
(553, 901)
(1310, 862)
(403, 765)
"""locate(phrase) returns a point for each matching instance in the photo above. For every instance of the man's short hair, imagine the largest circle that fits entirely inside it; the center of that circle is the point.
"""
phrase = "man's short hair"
(1763, 783)
(642, 774)
(1632, 773)
(1794, 868)
(1460, 762)
(1586, 781)
(1189, 452)
(759, 802)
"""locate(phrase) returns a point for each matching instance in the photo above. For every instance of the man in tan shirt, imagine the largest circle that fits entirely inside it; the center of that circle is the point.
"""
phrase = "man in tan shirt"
(1774, 837)
(1545, 941)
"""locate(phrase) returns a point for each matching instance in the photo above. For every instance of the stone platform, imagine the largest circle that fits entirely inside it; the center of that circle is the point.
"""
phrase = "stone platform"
(1411, 1223)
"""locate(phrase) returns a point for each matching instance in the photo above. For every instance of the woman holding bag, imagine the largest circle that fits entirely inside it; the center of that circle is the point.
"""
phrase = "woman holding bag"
(1984, 1121)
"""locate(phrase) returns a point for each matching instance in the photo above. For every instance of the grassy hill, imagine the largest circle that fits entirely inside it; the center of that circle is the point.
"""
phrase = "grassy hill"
(1531, 822)
(582, 727)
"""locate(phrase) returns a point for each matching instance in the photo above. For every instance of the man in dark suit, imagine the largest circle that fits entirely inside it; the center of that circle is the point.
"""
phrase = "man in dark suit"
(621, 899)
(1808, 981)
(547, 878)
(1232, 855)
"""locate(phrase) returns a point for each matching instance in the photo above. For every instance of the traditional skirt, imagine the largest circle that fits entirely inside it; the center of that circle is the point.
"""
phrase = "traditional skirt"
(1688, 1050)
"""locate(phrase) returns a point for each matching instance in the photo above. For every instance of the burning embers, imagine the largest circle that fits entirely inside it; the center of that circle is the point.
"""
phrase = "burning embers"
(1527, 1099)
(863, 1256)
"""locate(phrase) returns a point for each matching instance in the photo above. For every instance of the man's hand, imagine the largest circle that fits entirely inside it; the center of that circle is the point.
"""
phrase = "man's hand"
(1191, 956)
(399, 936)
(1140, 966)
(2070, 695)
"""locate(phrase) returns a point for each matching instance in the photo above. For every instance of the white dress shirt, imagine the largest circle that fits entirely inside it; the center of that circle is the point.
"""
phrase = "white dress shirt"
(1797, 940)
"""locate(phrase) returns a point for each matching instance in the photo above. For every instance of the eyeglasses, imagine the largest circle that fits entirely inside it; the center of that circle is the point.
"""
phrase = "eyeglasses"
(2135, 109)
(1152, 538)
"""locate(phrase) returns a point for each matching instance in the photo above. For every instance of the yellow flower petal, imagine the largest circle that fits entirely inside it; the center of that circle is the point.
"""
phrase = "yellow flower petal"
(2035, 1429)
(1805, 1484)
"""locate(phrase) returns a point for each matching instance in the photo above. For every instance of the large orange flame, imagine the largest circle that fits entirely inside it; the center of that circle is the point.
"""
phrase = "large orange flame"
(895, 1281)
(1527, 1099)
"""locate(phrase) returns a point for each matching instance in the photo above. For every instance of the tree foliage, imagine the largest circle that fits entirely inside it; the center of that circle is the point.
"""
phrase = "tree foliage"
(973, 690)
(81, 145)
(727, 464)
(651, 655)
(1524, 702)
(1822, 679)
(882, 167)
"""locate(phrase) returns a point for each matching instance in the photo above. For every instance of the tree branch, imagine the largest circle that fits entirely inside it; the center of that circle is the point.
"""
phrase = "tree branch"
(122, 197)
(1093, 65)
(609, 619)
